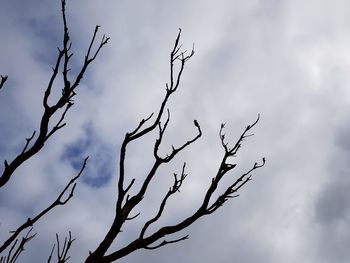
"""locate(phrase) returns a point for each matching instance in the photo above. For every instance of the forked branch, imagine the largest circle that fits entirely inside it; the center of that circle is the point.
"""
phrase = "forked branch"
(66, 194)
(172, 190)
(61, 106)
(17, 248)
(126, 203)
(62, 254)
(3, 80)
(206, 208)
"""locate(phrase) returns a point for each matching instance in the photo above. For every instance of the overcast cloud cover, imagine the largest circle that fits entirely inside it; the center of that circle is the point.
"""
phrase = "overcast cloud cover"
(288, 60)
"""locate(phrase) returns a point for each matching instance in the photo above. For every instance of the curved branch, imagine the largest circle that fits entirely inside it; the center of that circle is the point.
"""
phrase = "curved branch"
(137, 132)
(68, 189)
(165, 242)
(14, 252)
(62, 254)
(204, 209)
(123, 210)
(175, 188)
(65, 100)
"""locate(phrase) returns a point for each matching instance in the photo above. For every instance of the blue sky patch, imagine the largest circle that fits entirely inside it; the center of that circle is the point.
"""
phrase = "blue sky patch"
(99, 169)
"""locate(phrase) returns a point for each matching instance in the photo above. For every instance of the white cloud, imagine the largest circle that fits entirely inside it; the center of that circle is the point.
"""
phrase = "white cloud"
(288, 60)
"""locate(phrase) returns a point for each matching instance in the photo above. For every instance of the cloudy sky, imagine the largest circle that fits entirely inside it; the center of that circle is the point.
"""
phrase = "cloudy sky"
(288, 60)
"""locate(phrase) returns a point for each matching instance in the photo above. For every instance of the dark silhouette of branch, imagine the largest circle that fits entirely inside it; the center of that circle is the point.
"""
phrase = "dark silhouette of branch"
(17, 248)
(62, 254)
(126, 203)
(149, 237)
(61, 106)
(205, 208)
(3, 80)
(165, 242)
(66, 194)
(172, 190)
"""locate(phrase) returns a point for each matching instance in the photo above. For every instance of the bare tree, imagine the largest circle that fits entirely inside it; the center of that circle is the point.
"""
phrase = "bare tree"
(36, 141)
(126, 202)
(65, 102)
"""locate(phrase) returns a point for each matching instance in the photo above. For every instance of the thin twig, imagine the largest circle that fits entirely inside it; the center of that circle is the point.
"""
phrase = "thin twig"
(3, 80)
(60, 200)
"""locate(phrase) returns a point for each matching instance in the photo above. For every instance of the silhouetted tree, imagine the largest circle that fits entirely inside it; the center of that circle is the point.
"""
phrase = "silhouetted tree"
(12, 247)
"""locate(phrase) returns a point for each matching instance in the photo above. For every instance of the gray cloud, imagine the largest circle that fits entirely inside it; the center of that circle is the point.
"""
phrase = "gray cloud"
(332, 205)
(288, 60)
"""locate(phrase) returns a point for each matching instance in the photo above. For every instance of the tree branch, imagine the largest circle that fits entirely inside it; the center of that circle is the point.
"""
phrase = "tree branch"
(165, 242)
(3, 80)
(123, 209)
(62, 254)
(65, 100)
(204, 208)
(172, 190)
(225, 166)
(14, 252)
(124, 206)
(28, 141)
(68, 189)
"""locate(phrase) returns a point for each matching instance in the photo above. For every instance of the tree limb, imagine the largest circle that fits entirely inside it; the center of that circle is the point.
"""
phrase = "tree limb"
(60, 200)
(172, 190)
(204, 209)
(62, 254)
(15, 250)
(65, 100)
(125, 206)
(123, 209)
(3, 80)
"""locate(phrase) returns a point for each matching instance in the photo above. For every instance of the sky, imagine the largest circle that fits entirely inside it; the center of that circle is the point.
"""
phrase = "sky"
(287, 60)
